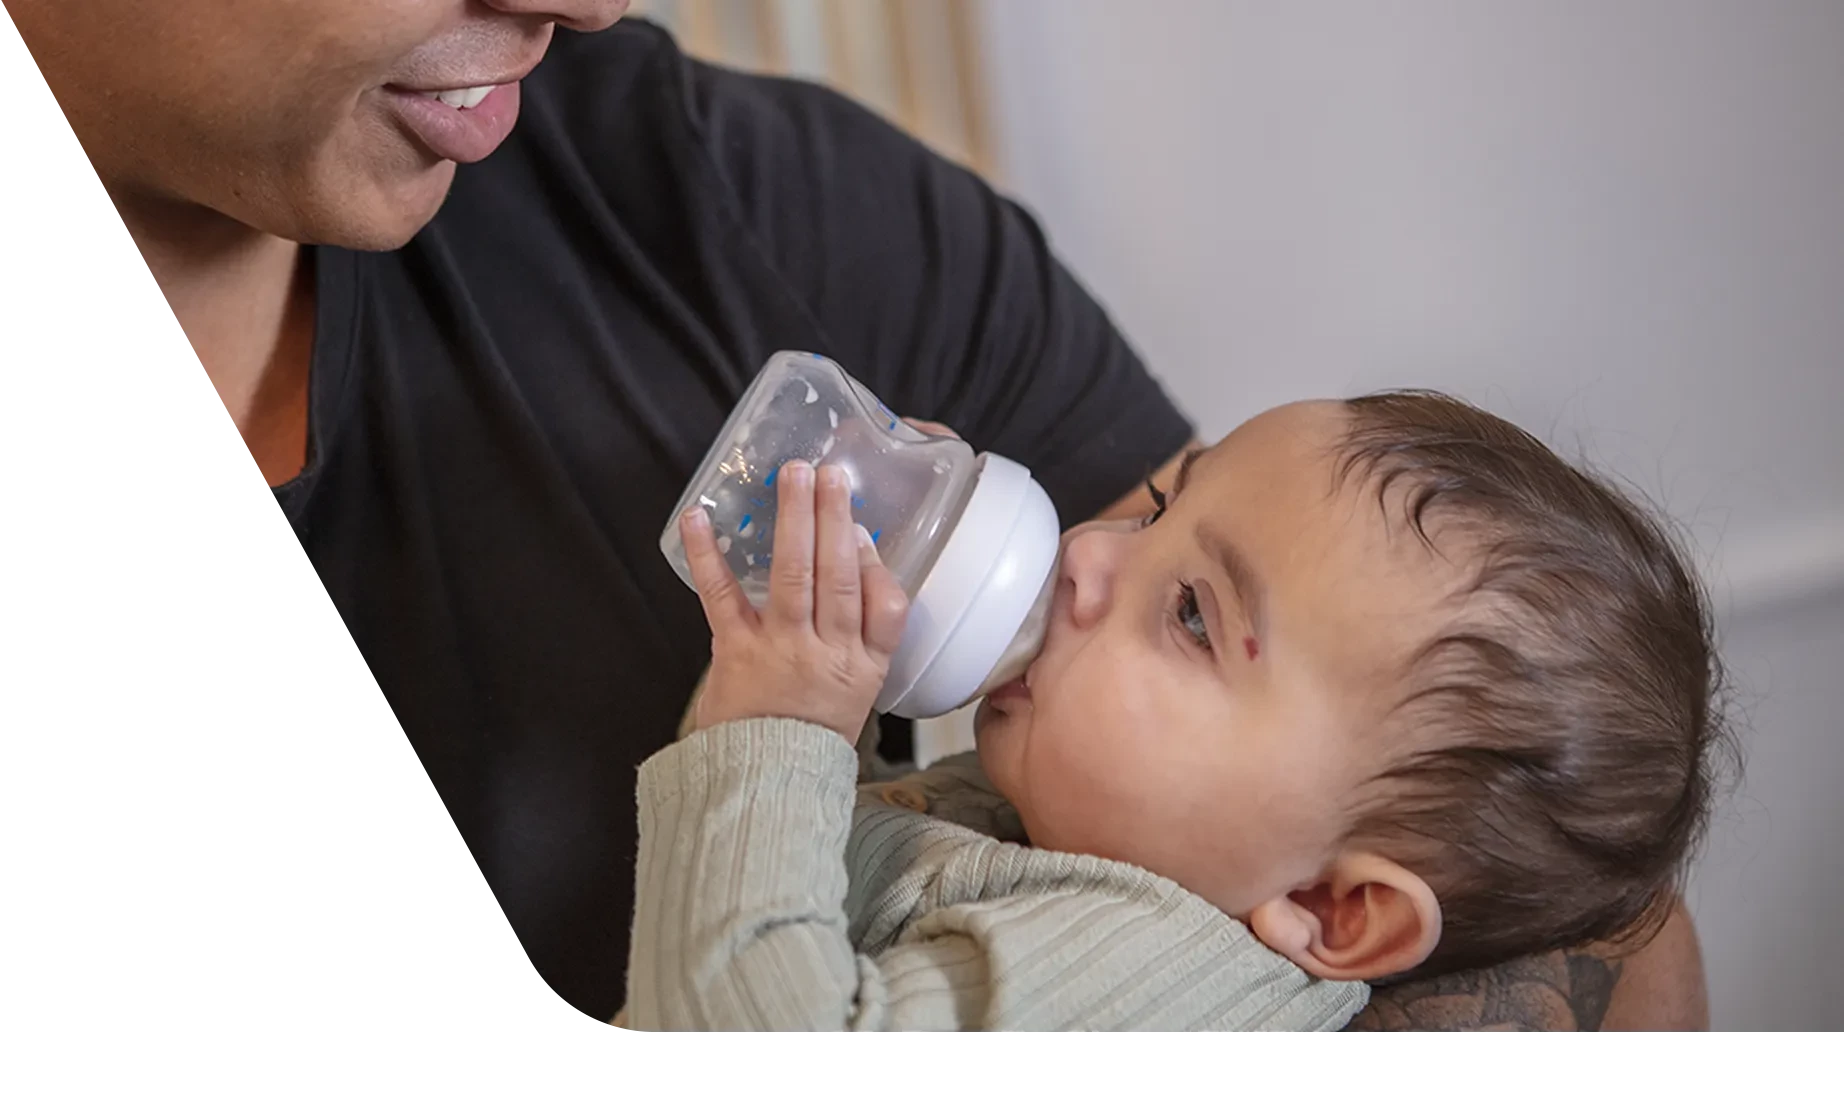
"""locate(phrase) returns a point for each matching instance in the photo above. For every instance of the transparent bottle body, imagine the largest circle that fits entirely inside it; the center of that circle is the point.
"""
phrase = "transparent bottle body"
(908, 487)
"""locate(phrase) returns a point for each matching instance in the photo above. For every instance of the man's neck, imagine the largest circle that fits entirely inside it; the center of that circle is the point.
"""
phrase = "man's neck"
(246, 302)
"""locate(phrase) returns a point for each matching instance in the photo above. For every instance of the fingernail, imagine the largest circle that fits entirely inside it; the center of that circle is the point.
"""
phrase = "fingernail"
(799, 472)
(832, 477)
(695, 518)
(864, 537)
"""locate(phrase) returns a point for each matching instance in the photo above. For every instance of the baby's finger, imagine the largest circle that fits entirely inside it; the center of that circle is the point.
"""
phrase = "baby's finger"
(790, 583)
(726, 608)
(837, 613)
(886, 607)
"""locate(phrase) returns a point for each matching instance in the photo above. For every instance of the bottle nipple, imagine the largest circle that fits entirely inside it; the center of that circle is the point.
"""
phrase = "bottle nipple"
(1027, 642)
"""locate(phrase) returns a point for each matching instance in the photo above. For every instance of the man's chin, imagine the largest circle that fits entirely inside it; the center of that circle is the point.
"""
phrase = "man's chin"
(380, 216)
(999, 747)
(414, 207)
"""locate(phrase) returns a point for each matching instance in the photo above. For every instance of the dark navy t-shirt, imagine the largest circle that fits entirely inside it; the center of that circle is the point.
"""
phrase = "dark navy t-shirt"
(504, 412)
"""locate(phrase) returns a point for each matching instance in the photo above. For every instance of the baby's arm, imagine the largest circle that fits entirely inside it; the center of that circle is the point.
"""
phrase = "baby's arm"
(741, 918)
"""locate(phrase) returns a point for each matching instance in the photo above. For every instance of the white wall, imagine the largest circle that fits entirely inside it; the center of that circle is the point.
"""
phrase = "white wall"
(1621, 225)
(1767, 899)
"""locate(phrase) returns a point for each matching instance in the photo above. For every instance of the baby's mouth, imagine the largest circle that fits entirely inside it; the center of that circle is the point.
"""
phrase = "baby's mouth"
(1012, 696)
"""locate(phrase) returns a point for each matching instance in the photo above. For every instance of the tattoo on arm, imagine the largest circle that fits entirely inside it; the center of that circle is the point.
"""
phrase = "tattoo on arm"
(1553, 992)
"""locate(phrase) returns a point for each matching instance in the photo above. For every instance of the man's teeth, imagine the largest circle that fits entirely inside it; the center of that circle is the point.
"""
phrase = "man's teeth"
(462, 98)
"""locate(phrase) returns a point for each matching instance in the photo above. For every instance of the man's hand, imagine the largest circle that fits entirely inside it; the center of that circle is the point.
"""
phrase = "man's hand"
(1137, 504)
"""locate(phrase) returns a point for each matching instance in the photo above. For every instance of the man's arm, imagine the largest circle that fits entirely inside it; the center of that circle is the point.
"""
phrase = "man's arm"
(1658, 988)
(1662, 987)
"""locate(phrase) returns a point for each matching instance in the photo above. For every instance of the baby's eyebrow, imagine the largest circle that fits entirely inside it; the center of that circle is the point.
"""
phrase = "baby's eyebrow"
(1184, 470)
(1251, 594)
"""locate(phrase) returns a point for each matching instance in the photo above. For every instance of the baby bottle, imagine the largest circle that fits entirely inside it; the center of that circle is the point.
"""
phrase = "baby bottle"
(972, 539)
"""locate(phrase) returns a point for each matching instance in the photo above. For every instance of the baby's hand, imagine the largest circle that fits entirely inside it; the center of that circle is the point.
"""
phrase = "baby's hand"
(820, 649)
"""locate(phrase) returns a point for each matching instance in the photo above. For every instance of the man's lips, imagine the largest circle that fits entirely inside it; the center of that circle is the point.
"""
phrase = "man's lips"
(463, 124)
(463, 115)
(432, 84)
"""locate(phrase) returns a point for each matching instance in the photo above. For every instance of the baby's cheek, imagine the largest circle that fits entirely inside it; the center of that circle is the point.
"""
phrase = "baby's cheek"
(1102, 785)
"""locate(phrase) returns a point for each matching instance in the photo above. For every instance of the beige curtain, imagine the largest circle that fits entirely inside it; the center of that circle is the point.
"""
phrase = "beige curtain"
(914, 61)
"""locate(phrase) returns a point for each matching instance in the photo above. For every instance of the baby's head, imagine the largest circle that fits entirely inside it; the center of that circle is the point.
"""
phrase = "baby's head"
(1388, 680)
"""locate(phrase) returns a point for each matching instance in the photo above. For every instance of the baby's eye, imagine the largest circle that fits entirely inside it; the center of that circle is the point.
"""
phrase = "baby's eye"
(1158, 497)
(1190, 618)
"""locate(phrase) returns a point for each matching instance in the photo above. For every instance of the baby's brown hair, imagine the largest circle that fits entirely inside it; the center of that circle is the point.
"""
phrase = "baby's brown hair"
(1564, 729)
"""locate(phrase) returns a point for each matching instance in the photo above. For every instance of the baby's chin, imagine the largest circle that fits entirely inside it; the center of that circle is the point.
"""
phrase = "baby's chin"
(994, 728)
(999, 737)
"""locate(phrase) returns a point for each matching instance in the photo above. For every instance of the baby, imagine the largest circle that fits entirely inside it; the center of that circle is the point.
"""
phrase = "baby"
(1383, 687)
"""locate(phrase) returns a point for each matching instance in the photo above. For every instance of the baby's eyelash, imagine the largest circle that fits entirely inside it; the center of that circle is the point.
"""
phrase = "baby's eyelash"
(1158, 497)
(1189, 617)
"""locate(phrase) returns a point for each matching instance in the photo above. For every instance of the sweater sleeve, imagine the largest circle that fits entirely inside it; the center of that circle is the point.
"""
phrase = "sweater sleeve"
(741, 916)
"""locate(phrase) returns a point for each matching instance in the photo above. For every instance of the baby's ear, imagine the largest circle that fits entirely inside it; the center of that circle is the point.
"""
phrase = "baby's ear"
(1363, 919)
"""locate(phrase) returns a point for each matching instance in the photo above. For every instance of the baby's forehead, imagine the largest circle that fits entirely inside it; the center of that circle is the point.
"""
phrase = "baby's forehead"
(1282, 455)
(1363, 587)
(1298, 426)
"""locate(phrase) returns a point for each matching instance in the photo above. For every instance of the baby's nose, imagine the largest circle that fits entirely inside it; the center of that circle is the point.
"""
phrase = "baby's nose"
(1090, 554)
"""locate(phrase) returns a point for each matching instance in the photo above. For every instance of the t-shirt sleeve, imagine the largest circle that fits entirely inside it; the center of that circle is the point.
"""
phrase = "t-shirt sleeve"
(939, 294)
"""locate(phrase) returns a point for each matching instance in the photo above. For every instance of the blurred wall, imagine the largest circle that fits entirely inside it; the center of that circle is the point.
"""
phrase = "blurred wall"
(916, 62)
